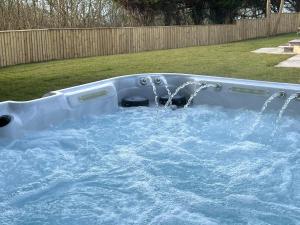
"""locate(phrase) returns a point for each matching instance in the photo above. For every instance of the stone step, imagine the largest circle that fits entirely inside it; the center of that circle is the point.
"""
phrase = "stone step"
(282, 46)
(295, 42)
(297, 49)
(288, 48)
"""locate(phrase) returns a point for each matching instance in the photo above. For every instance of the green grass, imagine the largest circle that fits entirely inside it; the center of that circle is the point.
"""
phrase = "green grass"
(25, 82)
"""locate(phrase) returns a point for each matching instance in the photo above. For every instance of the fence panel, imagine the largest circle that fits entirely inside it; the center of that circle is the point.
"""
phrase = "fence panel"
(27, 46)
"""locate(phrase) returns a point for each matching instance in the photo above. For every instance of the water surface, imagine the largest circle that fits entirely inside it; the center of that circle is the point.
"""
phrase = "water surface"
(137, 166)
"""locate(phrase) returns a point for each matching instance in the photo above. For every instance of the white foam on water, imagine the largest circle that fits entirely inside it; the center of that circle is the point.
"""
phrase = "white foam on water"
(121, 169)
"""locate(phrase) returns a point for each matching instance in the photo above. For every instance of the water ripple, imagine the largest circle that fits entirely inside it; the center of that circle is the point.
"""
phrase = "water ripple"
(193, 166)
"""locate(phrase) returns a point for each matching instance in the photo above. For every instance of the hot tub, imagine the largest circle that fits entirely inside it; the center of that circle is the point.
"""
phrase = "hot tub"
(121, 151)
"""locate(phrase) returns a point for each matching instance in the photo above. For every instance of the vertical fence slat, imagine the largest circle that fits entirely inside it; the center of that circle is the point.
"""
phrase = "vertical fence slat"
(2, 51)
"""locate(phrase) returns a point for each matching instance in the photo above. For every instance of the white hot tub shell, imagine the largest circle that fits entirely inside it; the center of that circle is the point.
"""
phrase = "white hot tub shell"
(105, 96)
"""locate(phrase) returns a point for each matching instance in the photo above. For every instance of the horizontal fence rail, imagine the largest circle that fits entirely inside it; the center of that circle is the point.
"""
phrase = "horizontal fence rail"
(27, 46)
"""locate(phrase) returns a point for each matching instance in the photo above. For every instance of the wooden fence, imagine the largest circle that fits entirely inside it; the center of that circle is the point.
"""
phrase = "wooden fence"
(27, 46)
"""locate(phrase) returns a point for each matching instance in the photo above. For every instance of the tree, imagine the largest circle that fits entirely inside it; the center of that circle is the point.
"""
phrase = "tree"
(171, 10)
(26, 14)
(278, 19)
(198, 10)
(293, 5)
(224, 11)
(145, 10)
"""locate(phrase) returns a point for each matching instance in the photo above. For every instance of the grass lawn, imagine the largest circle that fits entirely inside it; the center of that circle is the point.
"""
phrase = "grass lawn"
(25, 82)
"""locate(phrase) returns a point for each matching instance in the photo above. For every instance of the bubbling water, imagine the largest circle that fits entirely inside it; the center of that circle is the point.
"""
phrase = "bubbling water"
(120, 169)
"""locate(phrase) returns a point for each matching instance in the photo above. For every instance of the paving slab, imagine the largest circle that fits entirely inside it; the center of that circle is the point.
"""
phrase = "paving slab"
(276, 50)
(293, 62)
